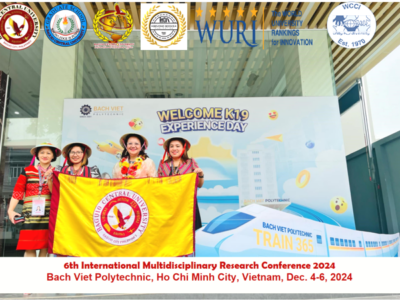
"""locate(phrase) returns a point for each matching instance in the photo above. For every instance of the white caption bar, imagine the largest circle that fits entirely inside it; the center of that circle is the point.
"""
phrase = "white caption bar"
(200, 275)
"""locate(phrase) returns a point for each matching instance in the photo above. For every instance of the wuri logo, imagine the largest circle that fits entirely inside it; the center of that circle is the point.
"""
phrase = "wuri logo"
(351, 25)
(240, 27)
(163, 27)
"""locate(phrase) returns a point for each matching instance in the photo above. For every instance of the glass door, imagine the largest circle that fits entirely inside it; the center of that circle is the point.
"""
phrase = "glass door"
(15, 160)
(20, 75)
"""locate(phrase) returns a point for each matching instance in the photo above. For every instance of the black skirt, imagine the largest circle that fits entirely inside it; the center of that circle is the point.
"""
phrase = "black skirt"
(198, 218)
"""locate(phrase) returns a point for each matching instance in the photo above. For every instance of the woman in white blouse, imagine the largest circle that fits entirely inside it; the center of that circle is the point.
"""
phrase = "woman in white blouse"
(134, 163)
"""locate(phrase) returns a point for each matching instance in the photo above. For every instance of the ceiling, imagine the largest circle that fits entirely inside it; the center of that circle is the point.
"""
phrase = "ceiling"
(204, 70)
(348, 64)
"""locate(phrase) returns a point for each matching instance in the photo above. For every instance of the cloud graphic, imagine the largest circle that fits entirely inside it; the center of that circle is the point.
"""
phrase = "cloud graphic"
(214, 170)
(213, 174)
(207, 215)
(205, 148)
(218, 190)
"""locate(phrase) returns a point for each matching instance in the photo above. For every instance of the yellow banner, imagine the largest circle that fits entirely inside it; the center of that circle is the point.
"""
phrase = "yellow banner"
(150, 217)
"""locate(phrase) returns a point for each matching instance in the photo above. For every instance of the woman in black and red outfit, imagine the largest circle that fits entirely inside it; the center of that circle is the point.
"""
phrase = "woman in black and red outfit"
(77, 155)
(179, 163)
(36, 183)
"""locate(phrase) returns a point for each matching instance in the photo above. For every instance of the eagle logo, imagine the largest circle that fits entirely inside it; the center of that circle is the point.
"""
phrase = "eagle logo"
(17, 29)
(120, 218)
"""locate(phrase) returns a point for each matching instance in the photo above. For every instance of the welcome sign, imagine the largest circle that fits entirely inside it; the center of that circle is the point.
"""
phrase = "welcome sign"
(284, 153)
(202, 119)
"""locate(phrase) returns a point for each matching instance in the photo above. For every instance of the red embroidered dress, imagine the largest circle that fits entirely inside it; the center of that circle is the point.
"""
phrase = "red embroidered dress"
(164, 169)
(34, 232)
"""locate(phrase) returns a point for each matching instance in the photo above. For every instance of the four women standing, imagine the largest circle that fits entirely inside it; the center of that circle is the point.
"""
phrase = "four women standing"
(35, 182)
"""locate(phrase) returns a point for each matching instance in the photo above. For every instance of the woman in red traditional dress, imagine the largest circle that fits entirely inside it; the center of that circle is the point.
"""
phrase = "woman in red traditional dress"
(134, 163)
(179, 163)
(77, 156)
(36, 183)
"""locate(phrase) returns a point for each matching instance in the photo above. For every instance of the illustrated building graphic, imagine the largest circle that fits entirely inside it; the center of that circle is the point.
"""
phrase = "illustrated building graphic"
(256, 175)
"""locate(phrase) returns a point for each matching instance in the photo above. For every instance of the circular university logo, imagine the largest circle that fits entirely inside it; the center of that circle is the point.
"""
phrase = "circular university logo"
(351, 25)
(113, 26)
(121, 217)
(164, 29)
(65, 25)
(19, 27)
(164, 26)
(86, 109)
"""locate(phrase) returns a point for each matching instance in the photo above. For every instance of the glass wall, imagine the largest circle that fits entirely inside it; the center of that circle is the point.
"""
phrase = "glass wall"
(43, 75)
(24, 68)
(209, 69)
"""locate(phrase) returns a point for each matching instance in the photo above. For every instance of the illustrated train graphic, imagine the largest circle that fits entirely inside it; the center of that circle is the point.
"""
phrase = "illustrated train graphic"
(259, 231)
(111, 148)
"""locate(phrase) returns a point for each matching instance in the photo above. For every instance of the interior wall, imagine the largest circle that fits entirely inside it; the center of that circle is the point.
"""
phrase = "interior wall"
(315, 65)
(352, 128)
(352, 120)
(367, 214)
(382, 92)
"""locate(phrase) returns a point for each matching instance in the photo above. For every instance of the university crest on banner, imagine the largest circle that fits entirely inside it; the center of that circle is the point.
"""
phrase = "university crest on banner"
(149, 217)
(121, 217)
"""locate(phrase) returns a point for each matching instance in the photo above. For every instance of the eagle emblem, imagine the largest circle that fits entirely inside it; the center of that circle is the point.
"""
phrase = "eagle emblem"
(120, 218)
(17, 29)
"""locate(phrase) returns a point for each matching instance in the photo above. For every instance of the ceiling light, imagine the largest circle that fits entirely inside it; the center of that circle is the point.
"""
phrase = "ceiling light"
(17, 113)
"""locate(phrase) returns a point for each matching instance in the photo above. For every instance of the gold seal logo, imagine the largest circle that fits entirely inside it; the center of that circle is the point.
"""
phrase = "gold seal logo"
(163, 28)
(113, 26)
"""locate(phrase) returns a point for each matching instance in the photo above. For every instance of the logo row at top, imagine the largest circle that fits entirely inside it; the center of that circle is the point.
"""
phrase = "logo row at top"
(162, 26)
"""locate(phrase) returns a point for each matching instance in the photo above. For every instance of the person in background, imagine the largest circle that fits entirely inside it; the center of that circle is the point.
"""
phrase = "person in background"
(179, 163)
(35, 182)
(134, 163)
(77, 156)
